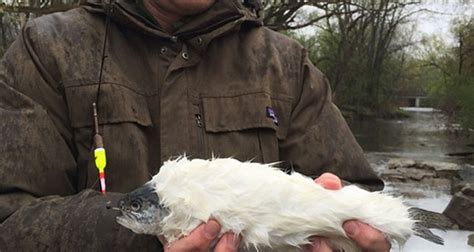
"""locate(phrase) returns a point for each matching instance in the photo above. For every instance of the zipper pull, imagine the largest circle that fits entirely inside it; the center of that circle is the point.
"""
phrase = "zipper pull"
(199, 121)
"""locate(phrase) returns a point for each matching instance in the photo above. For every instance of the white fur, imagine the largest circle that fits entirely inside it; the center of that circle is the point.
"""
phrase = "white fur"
(268, 207)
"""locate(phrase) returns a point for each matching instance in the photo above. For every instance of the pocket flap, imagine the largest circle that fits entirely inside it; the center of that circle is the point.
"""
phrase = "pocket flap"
(116, 104)
(258, 110)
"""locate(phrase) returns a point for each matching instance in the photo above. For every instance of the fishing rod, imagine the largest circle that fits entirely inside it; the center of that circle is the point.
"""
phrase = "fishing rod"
(99, 150)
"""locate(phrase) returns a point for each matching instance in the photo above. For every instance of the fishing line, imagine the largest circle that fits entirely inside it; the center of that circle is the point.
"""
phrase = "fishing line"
(95, 183)
(104, 48)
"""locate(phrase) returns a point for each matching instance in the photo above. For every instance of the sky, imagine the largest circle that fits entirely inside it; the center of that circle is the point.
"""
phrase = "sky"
(435, 21)
(442, 13)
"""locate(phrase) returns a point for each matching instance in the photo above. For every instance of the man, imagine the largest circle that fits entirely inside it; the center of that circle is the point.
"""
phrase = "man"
(201, 77)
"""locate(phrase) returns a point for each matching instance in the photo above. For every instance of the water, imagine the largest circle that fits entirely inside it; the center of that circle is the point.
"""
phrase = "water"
(423, 136)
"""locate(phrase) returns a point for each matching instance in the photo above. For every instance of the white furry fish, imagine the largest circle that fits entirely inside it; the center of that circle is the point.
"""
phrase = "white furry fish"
(267, 207)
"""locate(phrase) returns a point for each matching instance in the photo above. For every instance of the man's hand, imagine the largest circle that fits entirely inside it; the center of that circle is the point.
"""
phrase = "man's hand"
(365, 236)
(202, 238)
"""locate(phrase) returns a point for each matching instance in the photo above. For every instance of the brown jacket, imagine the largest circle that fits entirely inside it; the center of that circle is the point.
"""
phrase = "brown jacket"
(223, 85)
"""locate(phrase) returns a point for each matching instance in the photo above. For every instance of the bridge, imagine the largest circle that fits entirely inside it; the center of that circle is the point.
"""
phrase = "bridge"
(411, 100)
(412, 96)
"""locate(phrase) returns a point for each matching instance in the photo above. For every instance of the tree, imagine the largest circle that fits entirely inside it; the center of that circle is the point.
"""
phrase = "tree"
(361, 49)
(291, 15)
(39, 7)
(453, 90)
(9, 29)
(14, 14)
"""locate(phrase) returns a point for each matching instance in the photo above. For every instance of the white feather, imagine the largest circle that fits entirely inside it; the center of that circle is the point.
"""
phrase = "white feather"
(268, 207)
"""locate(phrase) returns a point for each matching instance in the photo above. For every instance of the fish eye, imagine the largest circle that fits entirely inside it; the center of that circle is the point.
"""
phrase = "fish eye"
(135, 206)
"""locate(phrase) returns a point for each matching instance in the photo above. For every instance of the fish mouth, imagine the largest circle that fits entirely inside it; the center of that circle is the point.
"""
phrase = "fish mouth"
(147, 221)
(126, 218)
(129, 221)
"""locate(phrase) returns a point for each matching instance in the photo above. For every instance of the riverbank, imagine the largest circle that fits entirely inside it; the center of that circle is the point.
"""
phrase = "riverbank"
(422, 136)
(360, 113)
(424, 194)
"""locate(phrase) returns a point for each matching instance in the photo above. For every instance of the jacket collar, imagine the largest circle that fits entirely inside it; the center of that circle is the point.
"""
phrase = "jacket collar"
(199, 30)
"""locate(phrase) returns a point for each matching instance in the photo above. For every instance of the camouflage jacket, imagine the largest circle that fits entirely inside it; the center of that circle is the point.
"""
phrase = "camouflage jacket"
(222, 84)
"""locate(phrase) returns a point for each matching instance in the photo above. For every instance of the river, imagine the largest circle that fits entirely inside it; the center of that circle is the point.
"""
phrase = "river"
(422, 136)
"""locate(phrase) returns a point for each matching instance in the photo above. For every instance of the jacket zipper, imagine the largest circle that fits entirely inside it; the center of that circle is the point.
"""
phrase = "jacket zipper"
(200, 133)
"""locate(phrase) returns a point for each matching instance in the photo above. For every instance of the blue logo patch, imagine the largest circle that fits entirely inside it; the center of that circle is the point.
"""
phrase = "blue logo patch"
(271, 114)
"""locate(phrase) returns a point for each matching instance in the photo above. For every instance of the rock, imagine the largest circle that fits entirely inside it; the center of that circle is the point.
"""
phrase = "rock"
(393, 176)
(439, 183)
(461, 210)
(408, 170)
(456, 185)
(395, 163)
(405, 169)
(438, 165)
(470, 240)
(468, 190)
(461, 207)
(419, 174)
(442, 169)
(465, 177)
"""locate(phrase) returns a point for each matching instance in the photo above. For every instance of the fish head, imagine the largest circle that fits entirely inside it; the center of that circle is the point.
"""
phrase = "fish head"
(141, 211)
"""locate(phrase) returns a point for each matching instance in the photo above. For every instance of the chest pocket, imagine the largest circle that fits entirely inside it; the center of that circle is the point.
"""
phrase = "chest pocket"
(123, 118)
(247, 127)
(118, 104)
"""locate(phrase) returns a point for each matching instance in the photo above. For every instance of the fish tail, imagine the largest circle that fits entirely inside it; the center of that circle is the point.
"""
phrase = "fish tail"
(425, 220)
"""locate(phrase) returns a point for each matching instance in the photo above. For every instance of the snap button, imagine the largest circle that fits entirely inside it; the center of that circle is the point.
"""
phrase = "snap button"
(164, 50)
(185, 55)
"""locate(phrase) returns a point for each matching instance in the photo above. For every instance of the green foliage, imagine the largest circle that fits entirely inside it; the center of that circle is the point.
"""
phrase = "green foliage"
(9, 30)
(370, 62)
(451, 69)
(467, 104)
(361, 54)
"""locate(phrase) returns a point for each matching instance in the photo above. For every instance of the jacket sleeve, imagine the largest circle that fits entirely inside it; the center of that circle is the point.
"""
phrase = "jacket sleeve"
(40, 205)
(319, 140)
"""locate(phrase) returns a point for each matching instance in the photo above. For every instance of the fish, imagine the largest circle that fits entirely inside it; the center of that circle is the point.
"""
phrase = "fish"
(267, 207)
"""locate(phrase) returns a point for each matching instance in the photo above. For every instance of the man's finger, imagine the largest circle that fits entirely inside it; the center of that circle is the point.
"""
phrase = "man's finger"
(229, 242)
(329, 181)
(199, 239)
(366, 237)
